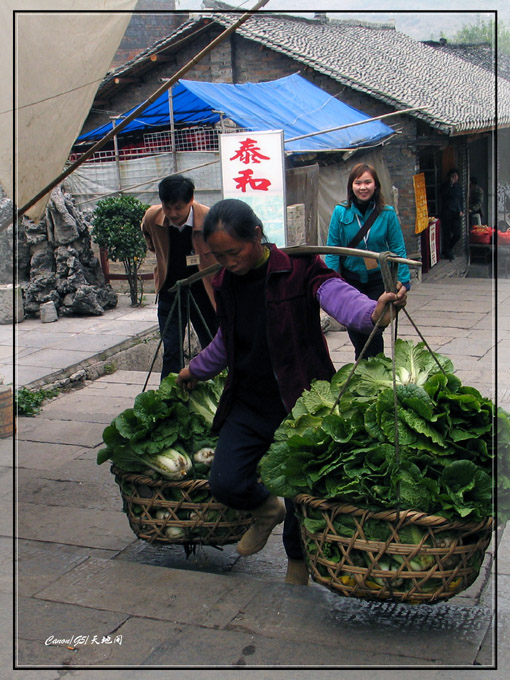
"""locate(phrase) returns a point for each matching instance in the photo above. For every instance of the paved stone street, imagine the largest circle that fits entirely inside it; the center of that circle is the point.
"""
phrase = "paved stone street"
(81, 570)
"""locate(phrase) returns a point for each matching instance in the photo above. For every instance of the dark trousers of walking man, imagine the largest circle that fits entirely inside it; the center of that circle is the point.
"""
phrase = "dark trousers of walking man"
(204, 323)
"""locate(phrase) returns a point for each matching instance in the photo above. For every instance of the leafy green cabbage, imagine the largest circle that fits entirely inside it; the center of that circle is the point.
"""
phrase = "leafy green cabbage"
(347, 451)
(162, 419)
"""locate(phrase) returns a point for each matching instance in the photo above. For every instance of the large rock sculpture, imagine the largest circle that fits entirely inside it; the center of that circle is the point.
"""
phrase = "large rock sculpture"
(56, 263)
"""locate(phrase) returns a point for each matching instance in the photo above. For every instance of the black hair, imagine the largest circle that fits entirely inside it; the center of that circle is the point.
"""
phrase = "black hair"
(473, 180)
(453, 171)
(176, 188)
(236, 217)
(358, 170)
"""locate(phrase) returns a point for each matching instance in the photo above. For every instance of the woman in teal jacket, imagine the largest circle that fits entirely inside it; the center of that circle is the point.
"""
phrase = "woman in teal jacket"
(363, 197)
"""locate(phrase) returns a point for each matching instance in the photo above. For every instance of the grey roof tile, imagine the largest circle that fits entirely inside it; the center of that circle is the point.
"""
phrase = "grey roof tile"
(457, 95)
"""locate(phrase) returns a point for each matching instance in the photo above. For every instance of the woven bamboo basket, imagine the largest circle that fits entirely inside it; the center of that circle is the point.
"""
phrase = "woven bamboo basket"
(450, 553)
(161, 511)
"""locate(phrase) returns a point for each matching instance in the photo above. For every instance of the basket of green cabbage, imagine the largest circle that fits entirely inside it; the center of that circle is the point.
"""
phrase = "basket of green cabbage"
(394, 481)
(160, 452)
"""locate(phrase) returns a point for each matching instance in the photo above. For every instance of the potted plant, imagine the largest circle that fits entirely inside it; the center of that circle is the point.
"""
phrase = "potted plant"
(116, 228)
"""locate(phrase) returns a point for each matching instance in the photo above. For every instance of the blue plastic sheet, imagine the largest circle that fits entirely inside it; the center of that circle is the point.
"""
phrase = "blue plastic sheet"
(291, 104)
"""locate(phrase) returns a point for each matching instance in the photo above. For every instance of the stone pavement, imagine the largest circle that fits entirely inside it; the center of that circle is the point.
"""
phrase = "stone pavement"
(44, 352)
(81, 571)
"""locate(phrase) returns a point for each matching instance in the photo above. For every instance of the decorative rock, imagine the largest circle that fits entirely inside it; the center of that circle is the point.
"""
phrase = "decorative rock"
(6, 209)
(83, 301)
(42, 259)
(59, 265)
(6, 260)
(23, 254)
(48, 312)
(62, 227)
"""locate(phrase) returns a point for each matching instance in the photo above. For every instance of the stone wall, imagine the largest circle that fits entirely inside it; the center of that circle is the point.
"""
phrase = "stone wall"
(214, 67)
(56, 263)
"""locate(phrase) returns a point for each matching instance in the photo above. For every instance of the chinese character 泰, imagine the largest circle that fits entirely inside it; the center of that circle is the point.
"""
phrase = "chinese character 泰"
(246, 178)
(249, 153)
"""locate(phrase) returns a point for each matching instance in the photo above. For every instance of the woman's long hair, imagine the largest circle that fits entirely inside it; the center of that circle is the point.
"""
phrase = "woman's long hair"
(356, 172)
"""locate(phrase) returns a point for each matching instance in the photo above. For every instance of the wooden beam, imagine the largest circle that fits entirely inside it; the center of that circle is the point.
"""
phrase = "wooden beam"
(161, 58)
(125, 80)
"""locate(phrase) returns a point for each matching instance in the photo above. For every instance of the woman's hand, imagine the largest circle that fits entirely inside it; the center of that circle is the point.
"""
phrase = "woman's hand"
(185, 380)
(383, 309)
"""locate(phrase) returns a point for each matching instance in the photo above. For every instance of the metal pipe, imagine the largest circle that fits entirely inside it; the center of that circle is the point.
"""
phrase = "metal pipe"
(359, 122)
(172, 127)
(117, 157)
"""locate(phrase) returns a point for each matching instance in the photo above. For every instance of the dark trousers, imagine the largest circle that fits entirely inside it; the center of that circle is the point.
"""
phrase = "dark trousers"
(451, 230)
(373, 289)
(173, 336)
(244, 439)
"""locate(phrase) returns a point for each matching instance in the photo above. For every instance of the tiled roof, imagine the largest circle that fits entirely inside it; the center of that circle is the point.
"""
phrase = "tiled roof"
(481, 54)
(457, 95)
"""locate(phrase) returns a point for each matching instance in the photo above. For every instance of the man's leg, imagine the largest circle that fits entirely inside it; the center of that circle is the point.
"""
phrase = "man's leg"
(172, 337)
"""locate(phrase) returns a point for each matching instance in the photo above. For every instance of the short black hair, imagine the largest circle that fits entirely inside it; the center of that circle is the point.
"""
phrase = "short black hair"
(236, 217)
(473, 180)
(176, 188)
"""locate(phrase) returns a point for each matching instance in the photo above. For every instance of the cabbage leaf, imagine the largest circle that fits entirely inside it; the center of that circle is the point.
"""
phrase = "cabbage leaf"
(448, 436)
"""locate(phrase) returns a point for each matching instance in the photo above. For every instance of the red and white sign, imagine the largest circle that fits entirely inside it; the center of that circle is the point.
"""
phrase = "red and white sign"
(432, 244)
(253, 170)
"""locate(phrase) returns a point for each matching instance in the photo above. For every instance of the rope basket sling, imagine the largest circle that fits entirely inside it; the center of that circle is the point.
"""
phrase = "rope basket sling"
(178, 512)
(444, 560)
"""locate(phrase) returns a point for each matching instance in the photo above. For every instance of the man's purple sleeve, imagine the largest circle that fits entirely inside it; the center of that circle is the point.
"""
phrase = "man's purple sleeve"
(211, 360)
(347, 305)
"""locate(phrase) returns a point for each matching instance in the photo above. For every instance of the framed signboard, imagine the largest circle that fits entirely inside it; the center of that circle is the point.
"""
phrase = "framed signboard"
(420, 196)
(253, 170)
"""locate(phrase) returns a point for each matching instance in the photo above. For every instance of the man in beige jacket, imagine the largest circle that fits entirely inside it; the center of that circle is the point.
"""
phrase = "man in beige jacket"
(173, 231)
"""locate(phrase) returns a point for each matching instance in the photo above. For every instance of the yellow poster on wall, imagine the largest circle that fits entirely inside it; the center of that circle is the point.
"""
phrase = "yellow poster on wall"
(420, 197)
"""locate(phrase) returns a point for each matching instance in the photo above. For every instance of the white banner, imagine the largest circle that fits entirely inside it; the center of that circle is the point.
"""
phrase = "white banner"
(253, 170)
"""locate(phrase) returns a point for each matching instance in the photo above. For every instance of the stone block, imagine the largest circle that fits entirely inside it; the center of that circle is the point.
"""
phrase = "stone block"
(48, 312)
(11, 304)
(296, 225)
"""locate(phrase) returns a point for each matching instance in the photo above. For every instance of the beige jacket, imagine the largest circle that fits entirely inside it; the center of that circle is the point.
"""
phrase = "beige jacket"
(155, 230)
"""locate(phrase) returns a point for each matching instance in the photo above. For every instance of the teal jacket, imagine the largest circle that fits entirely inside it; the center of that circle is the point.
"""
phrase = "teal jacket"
(385, 234)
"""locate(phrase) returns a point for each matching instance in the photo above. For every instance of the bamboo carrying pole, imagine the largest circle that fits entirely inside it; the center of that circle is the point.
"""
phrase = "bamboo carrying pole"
(164, 87)
(294, 250)
(304, 250)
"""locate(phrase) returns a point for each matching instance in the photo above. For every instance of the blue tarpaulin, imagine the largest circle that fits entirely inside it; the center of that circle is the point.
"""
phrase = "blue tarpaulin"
(291, 104)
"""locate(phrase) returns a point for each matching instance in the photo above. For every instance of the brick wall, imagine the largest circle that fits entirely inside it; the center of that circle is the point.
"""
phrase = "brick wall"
(145, 28)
